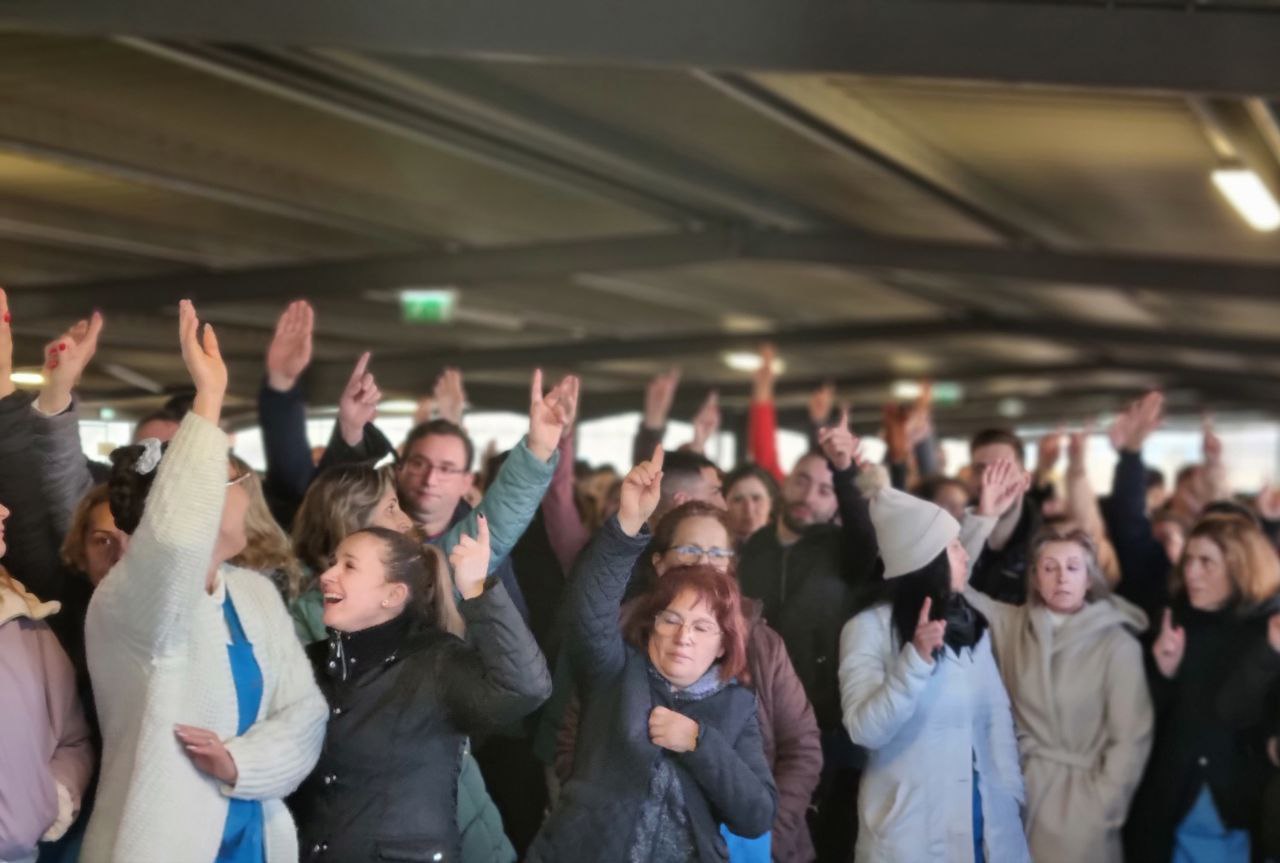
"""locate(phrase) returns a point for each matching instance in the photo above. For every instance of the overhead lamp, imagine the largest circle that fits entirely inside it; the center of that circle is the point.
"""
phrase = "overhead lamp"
(427, 305)
(397, 406)
(34, 379)
(1250, 196)
(749, 361)
(1011, 408)
(905, 391)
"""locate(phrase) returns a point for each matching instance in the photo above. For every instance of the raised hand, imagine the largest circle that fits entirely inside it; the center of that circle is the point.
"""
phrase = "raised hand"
(764, 377)
(425, 411)
(1212, 443)
(1077, 443)
(451, 397)
(1133, 426)
(929, 635)
(65, 360)
(821, 401)
(895, 433)
(1003, 482)
(1050, 450)
(841, 447)
(671, 730)
(1170, 646)
(641, 490)
(289, 353)
(6, 346)
(570, 393)
(469, 560)
(358, 404)
(706, 422)
(550, 414)
(919, 417)
(659, 395)
(207, 753)
(204, 362)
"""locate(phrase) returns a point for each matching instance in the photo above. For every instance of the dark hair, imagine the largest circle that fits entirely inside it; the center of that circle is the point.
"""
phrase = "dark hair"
(408, 564)
(906, 595)
(180, 404)
(929, 487)
(164, 415)
(126, 488)
(681, 469)
(719, 590)
(1153, 478)
(443, 428)
(744, 471)
(987, 437)
(665, 531)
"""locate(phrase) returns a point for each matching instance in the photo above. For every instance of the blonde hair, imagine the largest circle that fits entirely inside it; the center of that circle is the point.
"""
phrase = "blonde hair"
(1097, 585)
(267, 548)
(343, 500)
(72, 552)
(1251, 562)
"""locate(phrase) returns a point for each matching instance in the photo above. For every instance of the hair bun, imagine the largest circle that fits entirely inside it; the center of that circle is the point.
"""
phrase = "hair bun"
(127, 489)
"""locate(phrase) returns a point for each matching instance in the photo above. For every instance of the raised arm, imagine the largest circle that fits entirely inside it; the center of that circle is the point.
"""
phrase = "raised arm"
(594, 639)
(282, 412)
(355, 438)
(499, 675)
(659, 395)
(149, 595)
(762, 417)
(565, 529)
(1144, 565)
(844, 454)
(510, 503)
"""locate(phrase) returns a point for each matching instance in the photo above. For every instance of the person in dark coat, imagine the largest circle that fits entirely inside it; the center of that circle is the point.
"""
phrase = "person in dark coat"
(404, 694)
(1000, 570)
(1212, 677)
(670, 746)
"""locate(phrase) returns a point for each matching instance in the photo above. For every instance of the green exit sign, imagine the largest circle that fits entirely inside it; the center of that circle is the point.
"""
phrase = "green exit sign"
(428, 305)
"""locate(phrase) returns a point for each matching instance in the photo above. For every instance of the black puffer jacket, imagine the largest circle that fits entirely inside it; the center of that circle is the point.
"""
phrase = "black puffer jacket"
(402, 699)
(725, 780)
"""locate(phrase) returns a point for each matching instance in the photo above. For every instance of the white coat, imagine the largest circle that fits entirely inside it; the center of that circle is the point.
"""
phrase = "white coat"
(927, 729)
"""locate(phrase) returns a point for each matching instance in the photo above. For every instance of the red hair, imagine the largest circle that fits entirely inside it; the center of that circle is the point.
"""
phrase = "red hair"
(719, 590)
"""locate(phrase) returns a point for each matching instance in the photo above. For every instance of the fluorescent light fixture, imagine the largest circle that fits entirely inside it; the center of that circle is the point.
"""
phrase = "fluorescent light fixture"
(34, 379)
(1011, 408)
(944, 392)
(905, 391)
(428, 305)
(397, 406)
(749, 361)
(106, 414)
(1250, 196)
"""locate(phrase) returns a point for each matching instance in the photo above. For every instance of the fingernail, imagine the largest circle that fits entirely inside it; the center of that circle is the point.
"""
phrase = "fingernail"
(53, 364)
(7, 317)
(62, 346)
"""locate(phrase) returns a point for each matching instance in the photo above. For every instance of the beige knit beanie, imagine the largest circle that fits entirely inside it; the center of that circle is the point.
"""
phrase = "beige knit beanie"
(911, 532)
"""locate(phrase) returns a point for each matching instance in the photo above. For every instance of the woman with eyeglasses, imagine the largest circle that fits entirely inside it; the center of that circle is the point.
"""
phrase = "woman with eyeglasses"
(670, 746)
(210, 715)
(697, 533)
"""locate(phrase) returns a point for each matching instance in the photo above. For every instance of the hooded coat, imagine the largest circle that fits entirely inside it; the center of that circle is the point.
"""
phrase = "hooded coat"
(1083, 717)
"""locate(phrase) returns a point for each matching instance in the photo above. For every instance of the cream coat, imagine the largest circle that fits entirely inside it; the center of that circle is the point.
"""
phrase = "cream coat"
(928, 727)
(157, 647)
(1084, 720)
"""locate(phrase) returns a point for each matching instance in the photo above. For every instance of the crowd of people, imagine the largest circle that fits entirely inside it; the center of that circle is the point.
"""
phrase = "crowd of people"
(382, 651)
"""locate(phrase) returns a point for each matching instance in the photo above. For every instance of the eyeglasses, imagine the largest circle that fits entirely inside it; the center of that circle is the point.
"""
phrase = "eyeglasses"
(237, 480)
(670, 623)
(695, 553)
(417, 465)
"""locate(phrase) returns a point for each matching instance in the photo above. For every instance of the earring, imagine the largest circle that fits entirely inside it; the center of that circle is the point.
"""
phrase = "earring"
(384, 603)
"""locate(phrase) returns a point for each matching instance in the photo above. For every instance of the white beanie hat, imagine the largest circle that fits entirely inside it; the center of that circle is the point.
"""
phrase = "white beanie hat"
(911, 532)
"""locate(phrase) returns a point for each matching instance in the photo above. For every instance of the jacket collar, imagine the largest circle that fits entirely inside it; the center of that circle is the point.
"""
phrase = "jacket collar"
(16, 601)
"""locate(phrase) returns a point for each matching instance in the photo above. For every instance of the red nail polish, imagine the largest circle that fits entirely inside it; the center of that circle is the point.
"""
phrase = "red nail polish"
(62, 346)
(53, 364)
(7, 317)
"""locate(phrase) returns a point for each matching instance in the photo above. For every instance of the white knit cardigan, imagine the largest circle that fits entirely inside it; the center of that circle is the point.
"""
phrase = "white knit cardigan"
(157, 648)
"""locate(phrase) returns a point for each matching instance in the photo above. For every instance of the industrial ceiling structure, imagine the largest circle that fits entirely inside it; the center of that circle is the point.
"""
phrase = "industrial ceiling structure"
(1024, 198)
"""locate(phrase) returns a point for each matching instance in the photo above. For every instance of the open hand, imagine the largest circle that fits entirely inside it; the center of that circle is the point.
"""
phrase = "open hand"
(289, 353)
(1135, 424)
(469, 560)
(659, 395)
(450, 395)
(1002, 482)
(208, 753)
(204, 362)
(65, 360)
(641, 491)
(706, 422)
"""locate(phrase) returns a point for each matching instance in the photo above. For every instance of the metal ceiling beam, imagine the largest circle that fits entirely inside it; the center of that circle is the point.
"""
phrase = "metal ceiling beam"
(1175, 276)
(100, 145)
(1170, 47)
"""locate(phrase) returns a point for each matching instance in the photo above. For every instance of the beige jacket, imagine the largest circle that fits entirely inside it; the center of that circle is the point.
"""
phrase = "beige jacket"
(1083, 718)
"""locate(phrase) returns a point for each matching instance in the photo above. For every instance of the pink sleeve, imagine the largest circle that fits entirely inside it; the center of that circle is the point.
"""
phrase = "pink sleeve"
(73, 756)
(565, 530)
(762, 437)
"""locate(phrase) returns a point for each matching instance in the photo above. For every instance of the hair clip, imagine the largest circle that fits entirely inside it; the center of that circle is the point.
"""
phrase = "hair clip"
(151, 452)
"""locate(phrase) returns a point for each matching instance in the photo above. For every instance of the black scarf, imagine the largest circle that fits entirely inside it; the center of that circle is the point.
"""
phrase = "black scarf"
(964, 623)
(351, 652)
